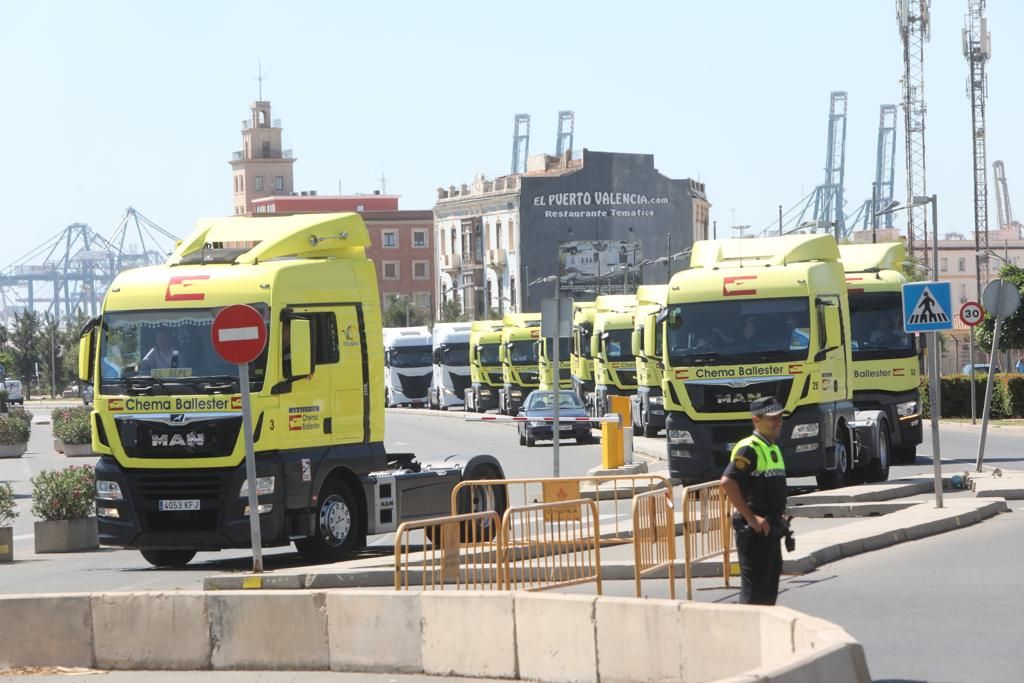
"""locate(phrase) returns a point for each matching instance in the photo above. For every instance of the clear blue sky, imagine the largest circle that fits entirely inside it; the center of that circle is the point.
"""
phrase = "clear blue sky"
(110, 104)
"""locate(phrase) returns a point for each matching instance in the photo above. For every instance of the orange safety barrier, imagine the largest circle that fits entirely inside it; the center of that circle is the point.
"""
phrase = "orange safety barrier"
(551, 545)
(464, 550)
(707, 528)
(654, 537)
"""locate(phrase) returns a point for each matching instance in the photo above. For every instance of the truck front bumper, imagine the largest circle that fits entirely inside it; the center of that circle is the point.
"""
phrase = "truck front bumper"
(485, 397)
(712, 442)
(136, 521)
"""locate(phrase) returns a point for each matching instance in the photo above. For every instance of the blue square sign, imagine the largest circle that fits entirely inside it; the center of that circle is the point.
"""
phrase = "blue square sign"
(927, 306)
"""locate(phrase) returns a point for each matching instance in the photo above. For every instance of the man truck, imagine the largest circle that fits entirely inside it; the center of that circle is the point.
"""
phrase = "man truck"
(451, 365)
(611, 347)
(546, 363)
(484, 366)
(647, 404)
(581, 363)
(519, 364)
(407, 368)
(763, 317)
(171, 477)
(885, 358)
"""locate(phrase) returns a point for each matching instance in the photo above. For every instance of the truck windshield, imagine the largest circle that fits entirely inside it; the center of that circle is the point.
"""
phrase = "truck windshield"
(618, 344)
(410, 357)
(729, 332)
(489, 354)
(167, 352)
(563, 348)
(523, 352)
(877, 322)
(455, 354)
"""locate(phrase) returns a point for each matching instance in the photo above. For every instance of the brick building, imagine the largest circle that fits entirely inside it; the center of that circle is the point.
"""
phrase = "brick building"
(401, 244)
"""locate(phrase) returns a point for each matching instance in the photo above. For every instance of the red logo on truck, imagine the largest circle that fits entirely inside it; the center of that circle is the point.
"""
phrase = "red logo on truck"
(181, 285)
(731, 285)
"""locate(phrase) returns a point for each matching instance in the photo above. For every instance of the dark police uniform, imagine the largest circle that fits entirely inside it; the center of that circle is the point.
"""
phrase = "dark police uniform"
(757, 466)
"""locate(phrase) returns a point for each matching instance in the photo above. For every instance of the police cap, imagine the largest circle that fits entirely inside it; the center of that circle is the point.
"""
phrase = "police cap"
(766, 406)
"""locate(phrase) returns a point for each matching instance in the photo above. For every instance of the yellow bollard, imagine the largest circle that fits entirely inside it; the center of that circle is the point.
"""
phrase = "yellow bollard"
(611, 433)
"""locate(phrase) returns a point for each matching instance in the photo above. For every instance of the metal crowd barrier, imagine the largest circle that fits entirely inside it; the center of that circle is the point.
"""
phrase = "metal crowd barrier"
(464, 550)
(551, 545)
(654, 537)
(613, 493)
(707, 528)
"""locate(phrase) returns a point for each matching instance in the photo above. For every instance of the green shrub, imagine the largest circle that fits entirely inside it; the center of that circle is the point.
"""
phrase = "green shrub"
(23, 415)
(74, 426)
(956, 396)
(8, 509)
(3, 400)
(1015, 390)
(69, 493)
(13, 430)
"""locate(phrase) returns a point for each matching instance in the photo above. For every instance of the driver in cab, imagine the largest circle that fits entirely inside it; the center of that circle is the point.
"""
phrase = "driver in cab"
(163, 355)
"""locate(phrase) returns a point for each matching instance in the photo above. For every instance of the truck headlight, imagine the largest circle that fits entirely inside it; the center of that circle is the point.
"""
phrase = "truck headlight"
(805, 431)
(485, 392)
(680, 436)
(261, 509)
(448, 391)
(906, 409)
(108, 490)
(656, 400)
(516, 392)
(264, 487)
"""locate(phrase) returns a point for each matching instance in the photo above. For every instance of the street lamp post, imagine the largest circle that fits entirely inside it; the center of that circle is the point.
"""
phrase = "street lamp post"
(556, 374)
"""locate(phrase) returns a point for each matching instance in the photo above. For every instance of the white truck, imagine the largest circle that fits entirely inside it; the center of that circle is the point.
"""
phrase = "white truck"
(451, 365)
(407, 368)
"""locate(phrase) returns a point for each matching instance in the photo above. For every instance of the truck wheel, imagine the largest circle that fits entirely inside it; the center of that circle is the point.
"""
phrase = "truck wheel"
(484, 499)
(904, 455)
(168, 558)
(837, 478)
(337, 525)
(878, 470)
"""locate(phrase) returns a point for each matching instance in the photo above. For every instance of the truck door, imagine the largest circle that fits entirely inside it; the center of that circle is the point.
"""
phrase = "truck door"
(832, 349)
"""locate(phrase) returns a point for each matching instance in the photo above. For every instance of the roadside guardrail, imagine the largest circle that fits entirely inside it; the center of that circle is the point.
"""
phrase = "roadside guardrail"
(459, 549)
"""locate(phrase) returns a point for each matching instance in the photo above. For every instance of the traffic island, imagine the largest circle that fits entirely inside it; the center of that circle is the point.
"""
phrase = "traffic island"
(494, 635)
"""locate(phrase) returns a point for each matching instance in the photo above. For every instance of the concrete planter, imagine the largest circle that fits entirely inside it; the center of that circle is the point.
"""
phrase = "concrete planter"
(67, 535)
(13, 450)
(58, 445)
(6, 543)
(73, 450)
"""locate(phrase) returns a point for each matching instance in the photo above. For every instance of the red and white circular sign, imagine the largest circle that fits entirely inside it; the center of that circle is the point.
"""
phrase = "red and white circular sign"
(971, 313)
(239, 334)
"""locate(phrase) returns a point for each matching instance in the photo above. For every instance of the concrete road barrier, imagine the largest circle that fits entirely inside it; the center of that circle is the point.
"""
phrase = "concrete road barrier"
(534, 636)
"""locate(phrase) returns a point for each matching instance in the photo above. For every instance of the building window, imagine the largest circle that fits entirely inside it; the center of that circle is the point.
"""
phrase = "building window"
(419, 238)
(279, 183)
(420, 270)
(389, 238)
(241, 181)
(360, 207)
(390, 270)
(266, 150)
(961, 264)
(258, 180)
(422, 300)
(945, 264)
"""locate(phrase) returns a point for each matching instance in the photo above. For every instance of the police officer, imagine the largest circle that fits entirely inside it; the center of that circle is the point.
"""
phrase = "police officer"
(755, 482)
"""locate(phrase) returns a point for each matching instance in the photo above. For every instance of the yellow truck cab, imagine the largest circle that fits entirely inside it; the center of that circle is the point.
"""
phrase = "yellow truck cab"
(486, 379)
(519, 363)
(611, 347)
(581, 364)
(648, 407)
(171, 477)
(754, 318)
(885, 358)
(545, 364)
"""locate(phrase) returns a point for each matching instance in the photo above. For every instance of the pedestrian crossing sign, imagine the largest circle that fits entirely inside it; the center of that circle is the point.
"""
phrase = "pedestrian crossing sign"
(927, 307)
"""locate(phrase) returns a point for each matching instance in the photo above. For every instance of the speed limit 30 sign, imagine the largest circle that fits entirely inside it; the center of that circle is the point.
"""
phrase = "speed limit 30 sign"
(971, 313)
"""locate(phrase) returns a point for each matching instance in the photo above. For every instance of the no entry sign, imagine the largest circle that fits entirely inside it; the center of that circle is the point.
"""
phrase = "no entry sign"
(239, 334)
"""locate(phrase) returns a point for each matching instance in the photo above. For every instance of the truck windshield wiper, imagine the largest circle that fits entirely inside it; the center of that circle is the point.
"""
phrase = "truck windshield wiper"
(145, 384)
(701, 358)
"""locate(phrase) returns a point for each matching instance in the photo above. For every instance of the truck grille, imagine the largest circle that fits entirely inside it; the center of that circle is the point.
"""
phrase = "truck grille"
(459, 384)
(198, 438)
(529, 378)
(495, 379)
(734, 397)
(207, 487)
(415, 386)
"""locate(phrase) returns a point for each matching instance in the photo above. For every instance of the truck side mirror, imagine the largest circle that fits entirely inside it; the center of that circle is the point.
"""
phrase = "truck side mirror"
(85, 356)
(675, 319)
(636, 341)
(301, 348)
(595, 346)
(650, 335)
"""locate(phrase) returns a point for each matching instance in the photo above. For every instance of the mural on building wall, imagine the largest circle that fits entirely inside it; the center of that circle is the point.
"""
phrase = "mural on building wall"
(599, 266)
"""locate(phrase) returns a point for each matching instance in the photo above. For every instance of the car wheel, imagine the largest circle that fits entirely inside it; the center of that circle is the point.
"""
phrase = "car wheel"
(586, 438)
(168, 558)
(336, 526)
(522, 439)
(530, 442)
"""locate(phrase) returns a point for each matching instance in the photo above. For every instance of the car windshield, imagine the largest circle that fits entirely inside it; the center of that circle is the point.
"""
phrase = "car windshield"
(877, 322)
(618, 344)
(523, 352)
(543, 400)
(488, 354)
(410, 357)
(563, 348)
(455, 354)
(164, 351)
(747, 331)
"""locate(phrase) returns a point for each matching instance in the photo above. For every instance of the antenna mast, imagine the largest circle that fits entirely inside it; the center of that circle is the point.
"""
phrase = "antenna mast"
(915, 31)
(977, 44)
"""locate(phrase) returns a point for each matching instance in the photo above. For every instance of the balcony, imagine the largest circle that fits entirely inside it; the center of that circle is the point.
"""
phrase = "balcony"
(451, 261)
(497, 258)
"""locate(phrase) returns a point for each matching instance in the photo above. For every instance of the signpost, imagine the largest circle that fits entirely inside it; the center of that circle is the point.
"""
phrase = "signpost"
(1001, 299)
(926, 308)
(239, 336)
(971, 314)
